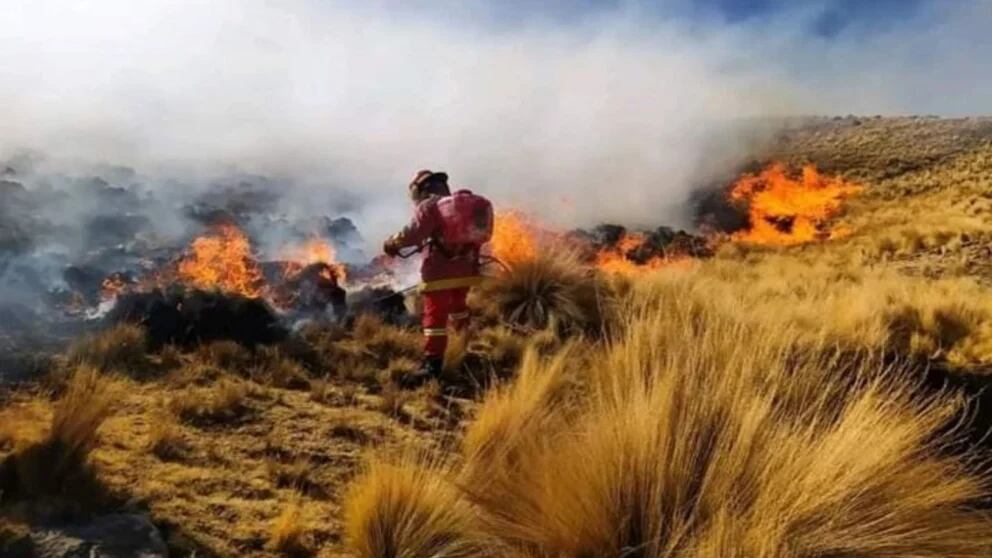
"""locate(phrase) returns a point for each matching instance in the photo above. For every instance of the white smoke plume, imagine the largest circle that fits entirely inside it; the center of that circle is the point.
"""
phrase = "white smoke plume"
(612, 117)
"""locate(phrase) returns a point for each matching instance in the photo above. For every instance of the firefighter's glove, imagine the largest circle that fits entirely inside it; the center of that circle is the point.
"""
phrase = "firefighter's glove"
(390, 247)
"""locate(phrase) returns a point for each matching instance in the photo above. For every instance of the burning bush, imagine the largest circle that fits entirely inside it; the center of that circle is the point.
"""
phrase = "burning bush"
(783, 211)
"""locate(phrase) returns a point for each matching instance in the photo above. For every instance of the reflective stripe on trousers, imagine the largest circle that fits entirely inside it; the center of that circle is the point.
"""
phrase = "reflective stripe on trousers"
(440, 307)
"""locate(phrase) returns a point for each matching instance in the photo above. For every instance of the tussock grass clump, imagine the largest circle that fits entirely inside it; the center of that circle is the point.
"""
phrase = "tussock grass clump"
(122, 348)
(386, 341)
(58, 463)
(411, 509)
(836, 300)
(227, 355)
(324, 391)
(165, 435)
(197, 373)
(392, 399)
(288, 534)
(225, 401)
(295, 473)
(550, 291)
(397, 370)
(681, 438)
(274, 368)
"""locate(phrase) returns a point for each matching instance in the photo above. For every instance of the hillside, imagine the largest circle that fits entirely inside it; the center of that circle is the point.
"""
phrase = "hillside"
(590, 413)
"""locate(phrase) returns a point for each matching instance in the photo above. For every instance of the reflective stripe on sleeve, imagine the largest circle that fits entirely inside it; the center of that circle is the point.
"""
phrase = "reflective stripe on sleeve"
(435, 332)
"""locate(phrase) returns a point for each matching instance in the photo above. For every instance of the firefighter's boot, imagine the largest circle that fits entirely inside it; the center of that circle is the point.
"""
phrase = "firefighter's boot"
(430, 369)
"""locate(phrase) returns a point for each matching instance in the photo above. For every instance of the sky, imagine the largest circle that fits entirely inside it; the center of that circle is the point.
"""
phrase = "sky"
(826, 18)
(581, 111)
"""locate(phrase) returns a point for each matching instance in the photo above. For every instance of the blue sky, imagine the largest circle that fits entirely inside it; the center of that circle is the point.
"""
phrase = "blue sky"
(825, 18)
(830, 17)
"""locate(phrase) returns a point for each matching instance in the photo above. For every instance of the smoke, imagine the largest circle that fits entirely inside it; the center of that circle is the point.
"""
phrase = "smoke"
(612, 116)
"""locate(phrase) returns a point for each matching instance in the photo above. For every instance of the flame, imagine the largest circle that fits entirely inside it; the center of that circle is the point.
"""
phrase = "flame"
(518, 237)
(112, 286)
(315, 250)
(784, 211)
(222, 259)
(515, 237)
(617, 259)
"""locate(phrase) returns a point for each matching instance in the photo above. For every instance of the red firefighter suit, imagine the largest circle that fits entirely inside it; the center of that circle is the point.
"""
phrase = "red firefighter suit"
(447, 271)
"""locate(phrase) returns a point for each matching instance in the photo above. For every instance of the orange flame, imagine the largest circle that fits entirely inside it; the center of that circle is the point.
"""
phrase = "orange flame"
(784, 211)
(223, 260)
(518, 238)
(314, 250)
(515, 237)
(112, 286)
(616, 259)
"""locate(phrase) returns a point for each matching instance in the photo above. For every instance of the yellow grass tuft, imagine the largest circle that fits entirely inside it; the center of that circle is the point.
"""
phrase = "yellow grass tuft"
(386, 341)
(288, 533)
(224, 401)
(226, 355)
(165, 435)
(58, 463)
(122, 348)
(274, 368)
(392, 399)
(835, 299)
(682, 438)
(411, 509)
(551, 291)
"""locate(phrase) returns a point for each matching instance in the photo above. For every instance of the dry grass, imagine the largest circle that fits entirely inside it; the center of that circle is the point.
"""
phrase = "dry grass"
(293, 474)
(385, 341)
(455, 352)
(288, 535)
(398, 369)
(122, 348)
(681, 439)
(551, 291)
(275, 369)
(324, 391)
(882, 149)
(225, 401)
(411, 509)
(165, 436)
(226, 355)
(821, 298)
(392, 399)
(58, 463)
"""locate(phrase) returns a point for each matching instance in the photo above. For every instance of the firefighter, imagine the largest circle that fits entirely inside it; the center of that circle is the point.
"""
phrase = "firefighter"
(451, 229)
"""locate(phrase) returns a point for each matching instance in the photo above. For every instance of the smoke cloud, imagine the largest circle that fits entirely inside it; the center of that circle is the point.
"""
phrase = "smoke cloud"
(614, 116)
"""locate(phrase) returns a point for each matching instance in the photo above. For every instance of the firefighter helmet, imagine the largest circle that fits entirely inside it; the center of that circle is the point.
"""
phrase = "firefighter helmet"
(426, 183)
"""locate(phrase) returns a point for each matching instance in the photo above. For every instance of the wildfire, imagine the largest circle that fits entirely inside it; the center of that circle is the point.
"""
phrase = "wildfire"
(112, 286)
(515, 237)
(222, 259)
(315, 250)
(518, 238)
(784, 211)
(618, 258)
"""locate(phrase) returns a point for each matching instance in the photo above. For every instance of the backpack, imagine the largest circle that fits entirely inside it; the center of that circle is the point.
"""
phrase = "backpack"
(466, 220)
